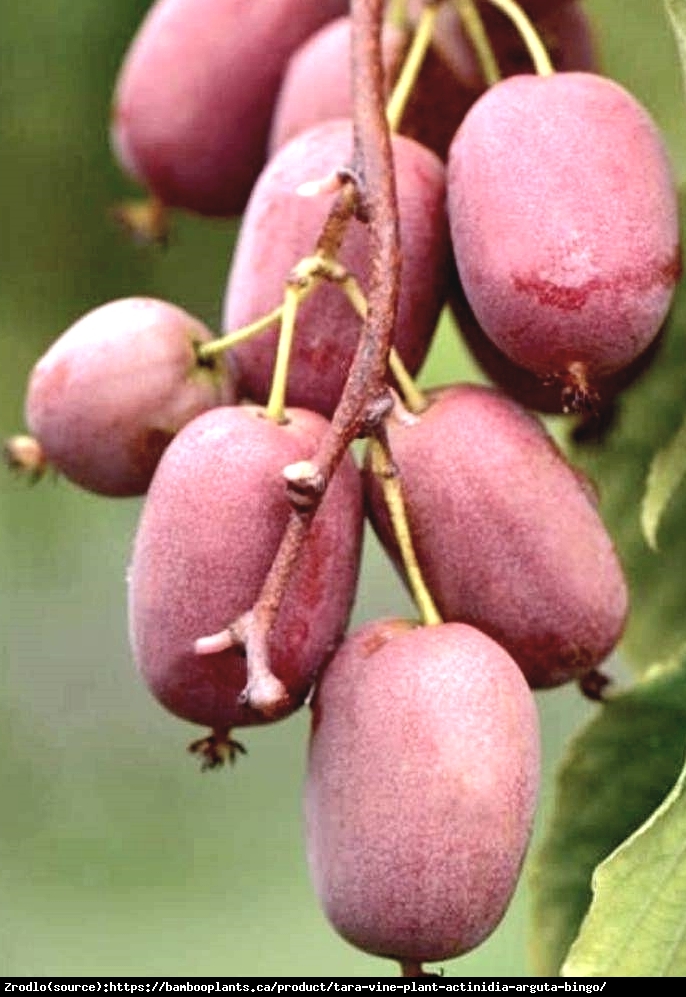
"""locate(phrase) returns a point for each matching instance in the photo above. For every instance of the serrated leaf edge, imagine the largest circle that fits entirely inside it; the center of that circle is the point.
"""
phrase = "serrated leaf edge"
(605, 869)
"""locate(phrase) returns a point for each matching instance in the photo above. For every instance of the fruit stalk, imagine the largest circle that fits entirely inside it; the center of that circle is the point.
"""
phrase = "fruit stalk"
(529, 35)
(277, 397)
(386, 471)
(474, 28)
(412, 67)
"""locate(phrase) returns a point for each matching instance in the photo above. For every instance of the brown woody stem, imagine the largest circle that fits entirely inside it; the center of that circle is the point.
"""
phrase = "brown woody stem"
(413, 397)
(365, 390)
(365, 396)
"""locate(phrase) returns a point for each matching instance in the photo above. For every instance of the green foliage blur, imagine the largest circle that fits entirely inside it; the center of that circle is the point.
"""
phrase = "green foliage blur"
(116, 856)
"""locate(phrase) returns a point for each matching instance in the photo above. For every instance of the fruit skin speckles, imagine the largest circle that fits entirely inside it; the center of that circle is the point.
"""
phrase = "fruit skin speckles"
(210, 528)
(518, 548)
(280, 227)
(195, 94)
(570, 254)
(421, 785)
(107, 397)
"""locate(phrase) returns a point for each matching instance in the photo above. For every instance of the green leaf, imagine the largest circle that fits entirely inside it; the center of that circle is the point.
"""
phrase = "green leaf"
(665, 475)
(636, 925)
(617, 770)
(649, 415)
(676, 12)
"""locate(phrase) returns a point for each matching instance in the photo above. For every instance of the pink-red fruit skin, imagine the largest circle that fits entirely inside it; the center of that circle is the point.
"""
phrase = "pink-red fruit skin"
(506, 533)
(280, 227)
(317, 87)
(421, 786)
(210, 528)
(317, 82)
(564, 222)
(195, 95)
(562, 394)
(111, 392)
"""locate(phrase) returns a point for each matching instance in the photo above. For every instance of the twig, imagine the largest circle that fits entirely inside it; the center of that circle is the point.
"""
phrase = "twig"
(365, 398)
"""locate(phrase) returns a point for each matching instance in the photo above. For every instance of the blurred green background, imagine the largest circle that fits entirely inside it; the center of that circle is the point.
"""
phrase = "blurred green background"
(116, 856)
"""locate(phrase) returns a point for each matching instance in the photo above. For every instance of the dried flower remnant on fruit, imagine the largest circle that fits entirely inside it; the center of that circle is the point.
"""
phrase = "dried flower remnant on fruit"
(145, 221)
(570, 392)
(24, 455)
(216, 749)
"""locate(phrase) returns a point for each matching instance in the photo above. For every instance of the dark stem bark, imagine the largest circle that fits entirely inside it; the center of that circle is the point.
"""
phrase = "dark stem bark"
(365, 398)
